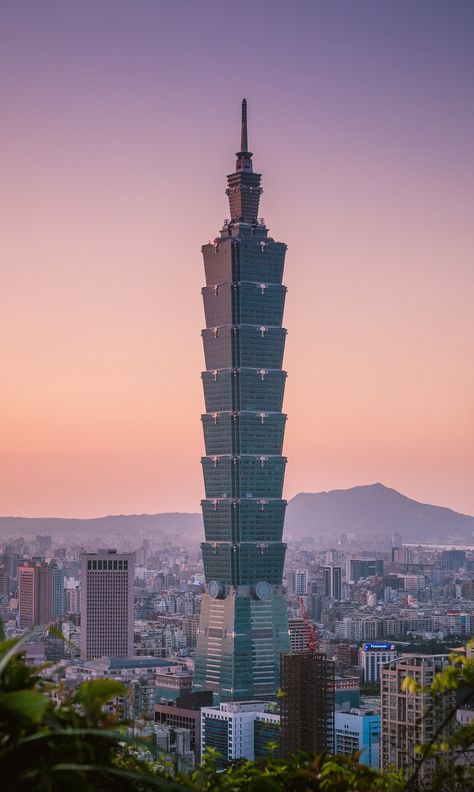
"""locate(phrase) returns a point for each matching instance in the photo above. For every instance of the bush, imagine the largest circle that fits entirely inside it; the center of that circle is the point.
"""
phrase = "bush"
(79, 746)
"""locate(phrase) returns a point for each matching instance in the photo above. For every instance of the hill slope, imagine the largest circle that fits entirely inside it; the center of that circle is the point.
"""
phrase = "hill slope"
(373, 510)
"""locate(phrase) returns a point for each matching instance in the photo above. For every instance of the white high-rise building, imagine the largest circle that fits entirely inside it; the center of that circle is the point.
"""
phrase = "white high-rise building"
(297, 580)
(107, 579)
(238, 730)
(372, 657)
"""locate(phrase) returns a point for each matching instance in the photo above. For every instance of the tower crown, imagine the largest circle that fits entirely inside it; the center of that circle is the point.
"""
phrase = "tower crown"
(244, 185)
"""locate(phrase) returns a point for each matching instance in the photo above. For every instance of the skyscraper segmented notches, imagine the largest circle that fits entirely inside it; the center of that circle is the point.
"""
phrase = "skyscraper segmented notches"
(243, 626)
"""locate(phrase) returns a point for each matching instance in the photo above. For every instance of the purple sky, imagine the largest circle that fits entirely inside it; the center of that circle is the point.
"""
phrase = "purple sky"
(119, 124)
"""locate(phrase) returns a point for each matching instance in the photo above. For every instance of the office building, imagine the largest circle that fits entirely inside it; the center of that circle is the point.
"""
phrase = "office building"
(364, 568)
(358, 730)
(405, 723)
(297, 582)
(402, 555)
(307, 703)
(346, 693)
(266, 735)
(185, 713)
(12, 561)
(243, 621)
(230, 729)
(43, 545)
(333, 582)
(139, 703)
(315, 606)
(346, 654)
(35, 593)
(174, 745)
(73, 599)
(107, 579)
(452, 560)
(4, 581)
(298, 635)
(173, 682)
(372, 657)
(59, 593)
(332, 557)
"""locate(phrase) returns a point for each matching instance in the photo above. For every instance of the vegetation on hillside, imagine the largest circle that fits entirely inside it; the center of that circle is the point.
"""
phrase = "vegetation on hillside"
(79, 745)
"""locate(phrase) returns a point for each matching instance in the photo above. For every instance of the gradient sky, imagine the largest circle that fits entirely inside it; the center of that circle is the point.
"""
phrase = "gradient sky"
(119, 123)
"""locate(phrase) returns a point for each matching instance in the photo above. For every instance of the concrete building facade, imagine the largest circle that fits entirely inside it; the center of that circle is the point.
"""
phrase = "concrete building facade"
(412, 718)
(35, 593)
(372, 657)
(358, 730)
(107, 579)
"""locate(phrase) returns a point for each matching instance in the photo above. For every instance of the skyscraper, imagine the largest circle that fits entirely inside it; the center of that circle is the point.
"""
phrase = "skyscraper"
(307, 703)
(243, 626)
(59, 593)
(413, 718)
(297, 580)
(333, 582)
(35, 592)
(107, 579)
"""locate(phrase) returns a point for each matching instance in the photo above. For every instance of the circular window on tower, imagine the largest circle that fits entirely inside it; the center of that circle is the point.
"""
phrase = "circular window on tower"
(215, 589)
(263, 590)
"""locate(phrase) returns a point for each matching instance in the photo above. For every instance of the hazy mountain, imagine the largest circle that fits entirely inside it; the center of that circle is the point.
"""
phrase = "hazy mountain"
(168, 525)
(372, 510)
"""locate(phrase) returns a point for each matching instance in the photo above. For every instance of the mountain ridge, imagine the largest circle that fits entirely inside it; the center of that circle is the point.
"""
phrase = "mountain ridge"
(365, 510)
(373, 509)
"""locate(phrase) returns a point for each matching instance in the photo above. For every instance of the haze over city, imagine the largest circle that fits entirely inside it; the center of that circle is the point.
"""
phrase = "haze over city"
(117, 131)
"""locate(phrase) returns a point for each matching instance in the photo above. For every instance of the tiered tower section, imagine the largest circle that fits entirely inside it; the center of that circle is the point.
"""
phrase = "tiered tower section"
(243, 627)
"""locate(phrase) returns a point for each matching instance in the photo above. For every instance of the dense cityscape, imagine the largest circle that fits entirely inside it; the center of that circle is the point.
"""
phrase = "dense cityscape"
(372, 615)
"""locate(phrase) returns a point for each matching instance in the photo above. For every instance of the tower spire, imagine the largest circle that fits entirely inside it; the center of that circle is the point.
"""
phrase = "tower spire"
(244, 146)
(244, 156)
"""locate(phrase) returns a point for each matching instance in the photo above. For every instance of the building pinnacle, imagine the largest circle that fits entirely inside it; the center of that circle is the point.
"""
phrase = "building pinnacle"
(244, 156)
(244, 146)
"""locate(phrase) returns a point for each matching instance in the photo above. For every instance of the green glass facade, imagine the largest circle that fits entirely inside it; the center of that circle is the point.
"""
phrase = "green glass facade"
(243, 626)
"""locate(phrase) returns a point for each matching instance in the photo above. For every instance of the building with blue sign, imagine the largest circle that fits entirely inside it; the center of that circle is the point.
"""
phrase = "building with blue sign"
(372, 656)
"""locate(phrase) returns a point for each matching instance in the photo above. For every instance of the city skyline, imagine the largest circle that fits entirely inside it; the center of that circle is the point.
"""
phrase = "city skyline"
(115, 136)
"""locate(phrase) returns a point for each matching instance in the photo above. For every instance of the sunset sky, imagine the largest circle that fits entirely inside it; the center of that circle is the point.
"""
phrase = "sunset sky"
(119, 123)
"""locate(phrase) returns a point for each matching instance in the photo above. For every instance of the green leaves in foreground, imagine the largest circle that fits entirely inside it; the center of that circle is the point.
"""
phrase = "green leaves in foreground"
(28, 704)
(80, 745)
(94, 694)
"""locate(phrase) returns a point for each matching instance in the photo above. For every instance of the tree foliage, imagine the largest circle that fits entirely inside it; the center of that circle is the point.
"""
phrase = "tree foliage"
(80, 744)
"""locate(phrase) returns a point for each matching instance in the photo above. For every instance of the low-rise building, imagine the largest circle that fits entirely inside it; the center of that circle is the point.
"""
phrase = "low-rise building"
(230, 729)
(358, 730)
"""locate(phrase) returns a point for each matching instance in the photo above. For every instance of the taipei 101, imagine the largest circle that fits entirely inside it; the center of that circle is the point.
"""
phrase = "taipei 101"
(236, 404)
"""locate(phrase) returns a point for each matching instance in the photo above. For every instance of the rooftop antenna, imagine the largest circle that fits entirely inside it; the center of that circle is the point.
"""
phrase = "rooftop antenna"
(244, 145)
